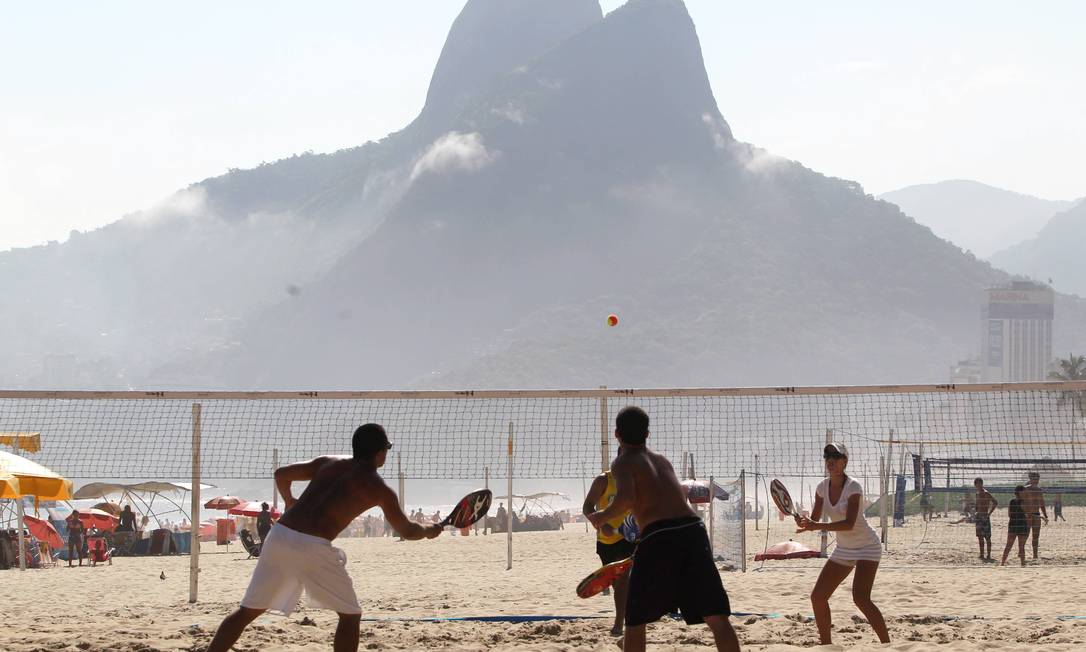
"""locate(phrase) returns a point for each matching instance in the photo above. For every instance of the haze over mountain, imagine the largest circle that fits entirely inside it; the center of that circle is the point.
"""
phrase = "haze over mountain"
(566, 165)
(976, 217)
(1056, 253)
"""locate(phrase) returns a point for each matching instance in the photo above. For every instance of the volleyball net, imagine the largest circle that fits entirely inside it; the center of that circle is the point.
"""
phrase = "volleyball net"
(904, 441)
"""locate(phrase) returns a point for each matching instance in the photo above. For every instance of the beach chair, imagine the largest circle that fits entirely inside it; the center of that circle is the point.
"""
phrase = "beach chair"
(251, 546)
(98, 552)
(46, 555)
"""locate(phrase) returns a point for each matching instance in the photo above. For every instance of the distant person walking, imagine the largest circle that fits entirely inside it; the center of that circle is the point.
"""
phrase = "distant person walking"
(1017, 526)
(986, 504)
(1057, 508)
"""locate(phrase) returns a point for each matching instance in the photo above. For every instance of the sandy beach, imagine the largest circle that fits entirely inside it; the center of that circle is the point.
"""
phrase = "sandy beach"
(126, 606)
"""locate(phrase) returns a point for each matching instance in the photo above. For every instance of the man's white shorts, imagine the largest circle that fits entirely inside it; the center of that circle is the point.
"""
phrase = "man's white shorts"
(291, 562)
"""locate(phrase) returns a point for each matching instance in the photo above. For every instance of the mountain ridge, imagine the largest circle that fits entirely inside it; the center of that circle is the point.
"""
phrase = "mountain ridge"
(484, 243)
(975, 216)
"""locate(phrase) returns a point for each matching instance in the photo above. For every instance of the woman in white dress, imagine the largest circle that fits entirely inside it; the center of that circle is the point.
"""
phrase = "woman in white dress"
(840, 499)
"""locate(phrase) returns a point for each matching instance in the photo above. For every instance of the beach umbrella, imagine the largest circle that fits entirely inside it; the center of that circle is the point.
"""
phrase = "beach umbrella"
(224, 502)
(112, 508)
(97, 518)
(20, 477)
(43, 530)
(9, 485)
(252, 508)
(33, 480)
(22, 441)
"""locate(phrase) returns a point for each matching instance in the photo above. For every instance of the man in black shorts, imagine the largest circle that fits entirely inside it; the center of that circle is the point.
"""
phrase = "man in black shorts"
(673, 565)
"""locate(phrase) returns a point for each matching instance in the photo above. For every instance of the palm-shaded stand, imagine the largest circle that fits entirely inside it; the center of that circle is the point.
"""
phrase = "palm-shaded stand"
(143, 495)
(20, 477)
(1072, 368)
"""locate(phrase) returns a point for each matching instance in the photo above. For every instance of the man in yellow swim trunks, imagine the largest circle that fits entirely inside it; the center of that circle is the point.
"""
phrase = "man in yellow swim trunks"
(611, 544)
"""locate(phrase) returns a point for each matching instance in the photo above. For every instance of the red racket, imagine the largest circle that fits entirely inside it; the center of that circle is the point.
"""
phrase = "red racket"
(470, 509)
(602, 578)
(783, 499)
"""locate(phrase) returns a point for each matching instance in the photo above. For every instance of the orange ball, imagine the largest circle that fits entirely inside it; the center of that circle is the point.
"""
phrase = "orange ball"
(612, 320)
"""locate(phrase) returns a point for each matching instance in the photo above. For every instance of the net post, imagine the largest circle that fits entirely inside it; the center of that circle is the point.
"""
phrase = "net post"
(743, 518)
(712, 532)
(757, 519)
(22, 535)
(605, 441)
(509, 513)
(400, 480)
(194, 517)
(275, 487)
(882, 498)
(823, 536)
(946, 496)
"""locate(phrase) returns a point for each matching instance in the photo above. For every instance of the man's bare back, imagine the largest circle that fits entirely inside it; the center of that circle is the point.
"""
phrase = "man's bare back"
(657, 494)
(673, 564)
(341, 489)
(1033, 499)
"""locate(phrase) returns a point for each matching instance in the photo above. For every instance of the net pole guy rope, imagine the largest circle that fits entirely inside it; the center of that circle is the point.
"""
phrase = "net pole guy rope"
(509, 512)
(194, 517)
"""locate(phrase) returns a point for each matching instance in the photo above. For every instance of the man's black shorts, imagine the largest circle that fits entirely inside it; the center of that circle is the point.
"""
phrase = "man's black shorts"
(612, 552)
(673, 567)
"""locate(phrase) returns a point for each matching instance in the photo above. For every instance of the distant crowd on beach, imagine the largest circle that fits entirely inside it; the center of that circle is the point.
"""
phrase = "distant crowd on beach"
(377, 526)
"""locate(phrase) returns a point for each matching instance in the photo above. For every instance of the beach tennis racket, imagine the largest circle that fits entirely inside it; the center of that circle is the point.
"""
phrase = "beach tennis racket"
(470, 509)
(783, 499)
(602, 578)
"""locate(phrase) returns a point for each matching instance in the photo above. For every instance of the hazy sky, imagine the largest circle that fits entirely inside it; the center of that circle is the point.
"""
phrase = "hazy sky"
(106, 108)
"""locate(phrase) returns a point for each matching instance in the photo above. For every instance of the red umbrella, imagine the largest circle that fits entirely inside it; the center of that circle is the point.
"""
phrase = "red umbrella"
(253, 508)
(224, 502)
(98, 519)
(43, 531)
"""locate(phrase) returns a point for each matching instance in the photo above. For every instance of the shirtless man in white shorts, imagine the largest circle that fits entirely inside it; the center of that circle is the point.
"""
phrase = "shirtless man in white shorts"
(298, 553)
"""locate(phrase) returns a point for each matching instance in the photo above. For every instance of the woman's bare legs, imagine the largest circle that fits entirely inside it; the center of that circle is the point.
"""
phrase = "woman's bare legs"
(861, 595)
(828, 580)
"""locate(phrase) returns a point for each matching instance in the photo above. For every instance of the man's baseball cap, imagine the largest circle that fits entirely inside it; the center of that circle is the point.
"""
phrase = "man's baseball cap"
(834, 450)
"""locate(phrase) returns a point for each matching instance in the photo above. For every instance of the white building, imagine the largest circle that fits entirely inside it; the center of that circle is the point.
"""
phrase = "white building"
(1016, 335)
